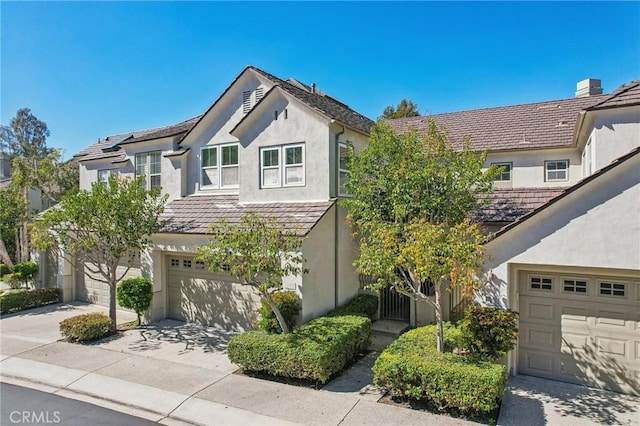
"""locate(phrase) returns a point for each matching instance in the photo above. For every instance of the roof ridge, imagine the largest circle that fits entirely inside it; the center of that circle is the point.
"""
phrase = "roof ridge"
(617, 92)
(154, 129)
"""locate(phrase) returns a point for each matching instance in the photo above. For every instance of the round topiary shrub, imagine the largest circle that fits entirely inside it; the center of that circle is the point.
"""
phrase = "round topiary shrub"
(289, 305)
(135, 294)
(86, 327)
(26, 271)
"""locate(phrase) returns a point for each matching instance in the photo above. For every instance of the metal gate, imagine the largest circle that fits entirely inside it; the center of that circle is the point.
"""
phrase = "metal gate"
(394, 306)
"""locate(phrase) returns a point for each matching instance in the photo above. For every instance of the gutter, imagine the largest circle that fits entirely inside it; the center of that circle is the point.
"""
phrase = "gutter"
(335, 219)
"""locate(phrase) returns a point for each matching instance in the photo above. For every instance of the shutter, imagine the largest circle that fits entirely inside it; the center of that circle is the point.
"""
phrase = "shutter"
(246, 101)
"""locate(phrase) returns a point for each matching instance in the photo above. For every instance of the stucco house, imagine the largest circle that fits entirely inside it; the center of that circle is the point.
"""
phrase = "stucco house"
(565, 247)
(266, 145)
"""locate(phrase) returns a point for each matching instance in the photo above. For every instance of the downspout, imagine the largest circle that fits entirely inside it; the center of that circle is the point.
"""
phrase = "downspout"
(335, 219)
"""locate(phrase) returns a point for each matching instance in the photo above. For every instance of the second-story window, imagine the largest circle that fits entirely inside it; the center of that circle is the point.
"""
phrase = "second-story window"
(556, 170)
(505, 175)
(148, 164)
(219, 167)
(282, 166)
(104, 174)
(343, 168)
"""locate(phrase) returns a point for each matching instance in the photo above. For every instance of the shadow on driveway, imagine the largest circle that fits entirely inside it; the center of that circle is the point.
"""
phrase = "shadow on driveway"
(535, 401)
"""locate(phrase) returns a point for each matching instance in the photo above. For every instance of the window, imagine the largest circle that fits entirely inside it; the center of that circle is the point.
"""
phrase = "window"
(540, 283)
(505, 175)
(575, 286)
(612, 289)
(556, 170)
(148, 165)
(343, 168)
(186, 263)
(199, 265)
(103, 175)
(175, 262)
(219, 166)
(282, 166)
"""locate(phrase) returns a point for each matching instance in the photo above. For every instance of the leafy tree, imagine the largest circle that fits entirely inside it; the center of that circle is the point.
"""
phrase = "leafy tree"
(413, 198)
(136, 294)
(33, 166)
(406, 108)
(102, 229)
(258, 252)
(12, 211)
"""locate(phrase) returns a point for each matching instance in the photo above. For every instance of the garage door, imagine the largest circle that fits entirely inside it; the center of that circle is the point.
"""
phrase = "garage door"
(580, 329)
(197, 295)
(90, 290)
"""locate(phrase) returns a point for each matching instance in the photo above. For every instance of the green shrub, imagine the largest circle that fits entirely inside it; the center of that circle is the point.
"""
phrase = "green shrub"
(86, 327)
(362, 304)
(411, 367)
(313, 351)
(4, 269)
(26, 271)
(135, 294)
(17, 301)
(289, 305)
(12, 280)
(489, 333)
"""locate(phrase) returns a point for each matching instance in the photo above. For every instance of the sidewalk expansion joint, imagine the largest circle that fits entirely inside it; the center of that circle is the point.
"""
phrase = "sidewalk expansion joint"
(348, 412)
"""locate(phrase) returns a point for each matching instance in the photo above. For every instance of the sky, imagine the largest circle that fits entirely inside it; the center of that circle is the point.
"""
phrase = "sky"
(92, 69)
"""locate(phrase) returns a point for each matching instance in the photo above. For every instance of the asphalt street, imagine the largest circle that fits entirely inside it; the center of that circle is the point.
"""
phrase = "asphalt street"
(24, 406)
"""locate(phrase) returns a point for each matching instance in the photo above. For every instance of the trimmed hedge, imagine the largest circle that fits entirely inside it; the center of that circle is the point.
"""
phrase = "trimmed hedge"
(86, 327)
(314, 351)
(289, 304)
(411, 367)
(20, 300)
(362, 304)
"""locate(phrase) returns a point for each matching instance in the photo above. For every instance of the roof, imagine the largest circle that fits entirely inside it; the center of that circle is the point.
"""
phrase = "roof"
(566, 192)
(109, 147)
(538, 125)
(628, 95)
(507, 205)
(326, 105)
(193, 214)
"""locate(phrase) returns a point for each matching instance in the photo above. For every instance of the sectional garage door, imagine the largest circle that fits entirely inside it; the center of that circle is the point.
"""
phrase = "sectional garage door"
(197, 295)
(580, 329)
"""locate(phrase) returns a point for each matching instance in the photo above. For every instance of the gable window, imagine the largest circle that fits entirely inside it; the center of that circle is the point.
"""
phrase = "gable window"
(505, 175)
(612, 289)
(148, 164)
(343, 168)
(219, 166)
(282, 166)
(103, 175)
(556, 170)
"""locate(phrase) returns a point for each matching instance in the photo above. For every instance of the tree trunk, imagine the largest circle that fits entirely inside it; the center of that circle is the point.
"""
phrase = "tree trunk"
(4, 255)
(276, 311)
(112, 300)
(24, 232)
(438, 306)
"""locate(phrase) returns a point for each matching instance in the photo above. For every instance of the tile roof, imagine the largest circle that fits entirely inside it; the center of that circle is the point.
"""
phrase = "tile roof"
(548, 124)
(507, 205)
(634, 152)
(625, 95)
(321, 102)
(193, 214)
(105, 148)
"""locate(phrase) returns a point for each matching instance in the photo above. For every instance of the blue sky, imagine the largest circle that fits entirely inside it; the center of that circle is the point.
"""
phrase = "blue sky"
(91, 69)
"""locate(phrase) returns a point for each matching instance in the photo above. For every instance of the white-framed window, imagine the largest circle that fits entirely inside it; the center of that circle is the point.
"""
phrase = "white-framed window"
(219, 167)
(608, 288)
(556, 170)
(343, 167)
(541, 283)
(104, 174)
(148, 164)
(282, 166)
(505, 175)
(570, 285)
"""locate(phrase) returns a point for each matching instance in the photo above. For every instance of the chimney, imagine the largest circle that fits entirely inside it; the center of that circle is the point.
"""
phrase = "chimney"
(313, 88)
(588, 87)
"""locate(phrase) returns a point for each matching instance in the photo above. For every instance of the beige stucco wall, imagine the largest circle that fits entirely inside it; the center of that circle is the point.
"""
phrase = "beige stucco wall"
(614, 133)
(596, 226)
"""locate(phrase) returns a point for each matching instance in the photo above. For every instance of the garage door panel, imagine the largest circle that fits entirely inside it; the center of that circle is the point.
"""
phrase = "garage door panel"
(590, 337)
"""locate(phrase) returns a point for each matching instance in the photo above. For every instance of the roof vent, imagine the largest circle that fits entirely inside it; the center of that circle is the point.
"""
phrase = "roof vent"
(588, 87)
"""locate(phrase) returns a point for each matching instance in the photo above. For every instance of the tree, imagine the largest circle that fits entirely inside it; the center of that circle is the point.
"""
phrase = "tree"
(258, 252)
(136, 294)
(103, 229)
(33, 166)
(406, 108)
(412, 206)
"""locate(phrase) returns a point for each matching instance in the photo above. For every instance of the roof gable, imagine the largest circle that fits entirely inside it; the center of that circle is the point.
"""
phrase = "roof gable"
(628, 95)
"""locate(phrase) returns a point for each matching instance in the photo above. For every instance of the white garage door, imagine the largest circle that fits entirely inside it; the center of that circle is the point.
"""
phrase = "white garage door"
(197, 295)
(90, 290)
(580, 329)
